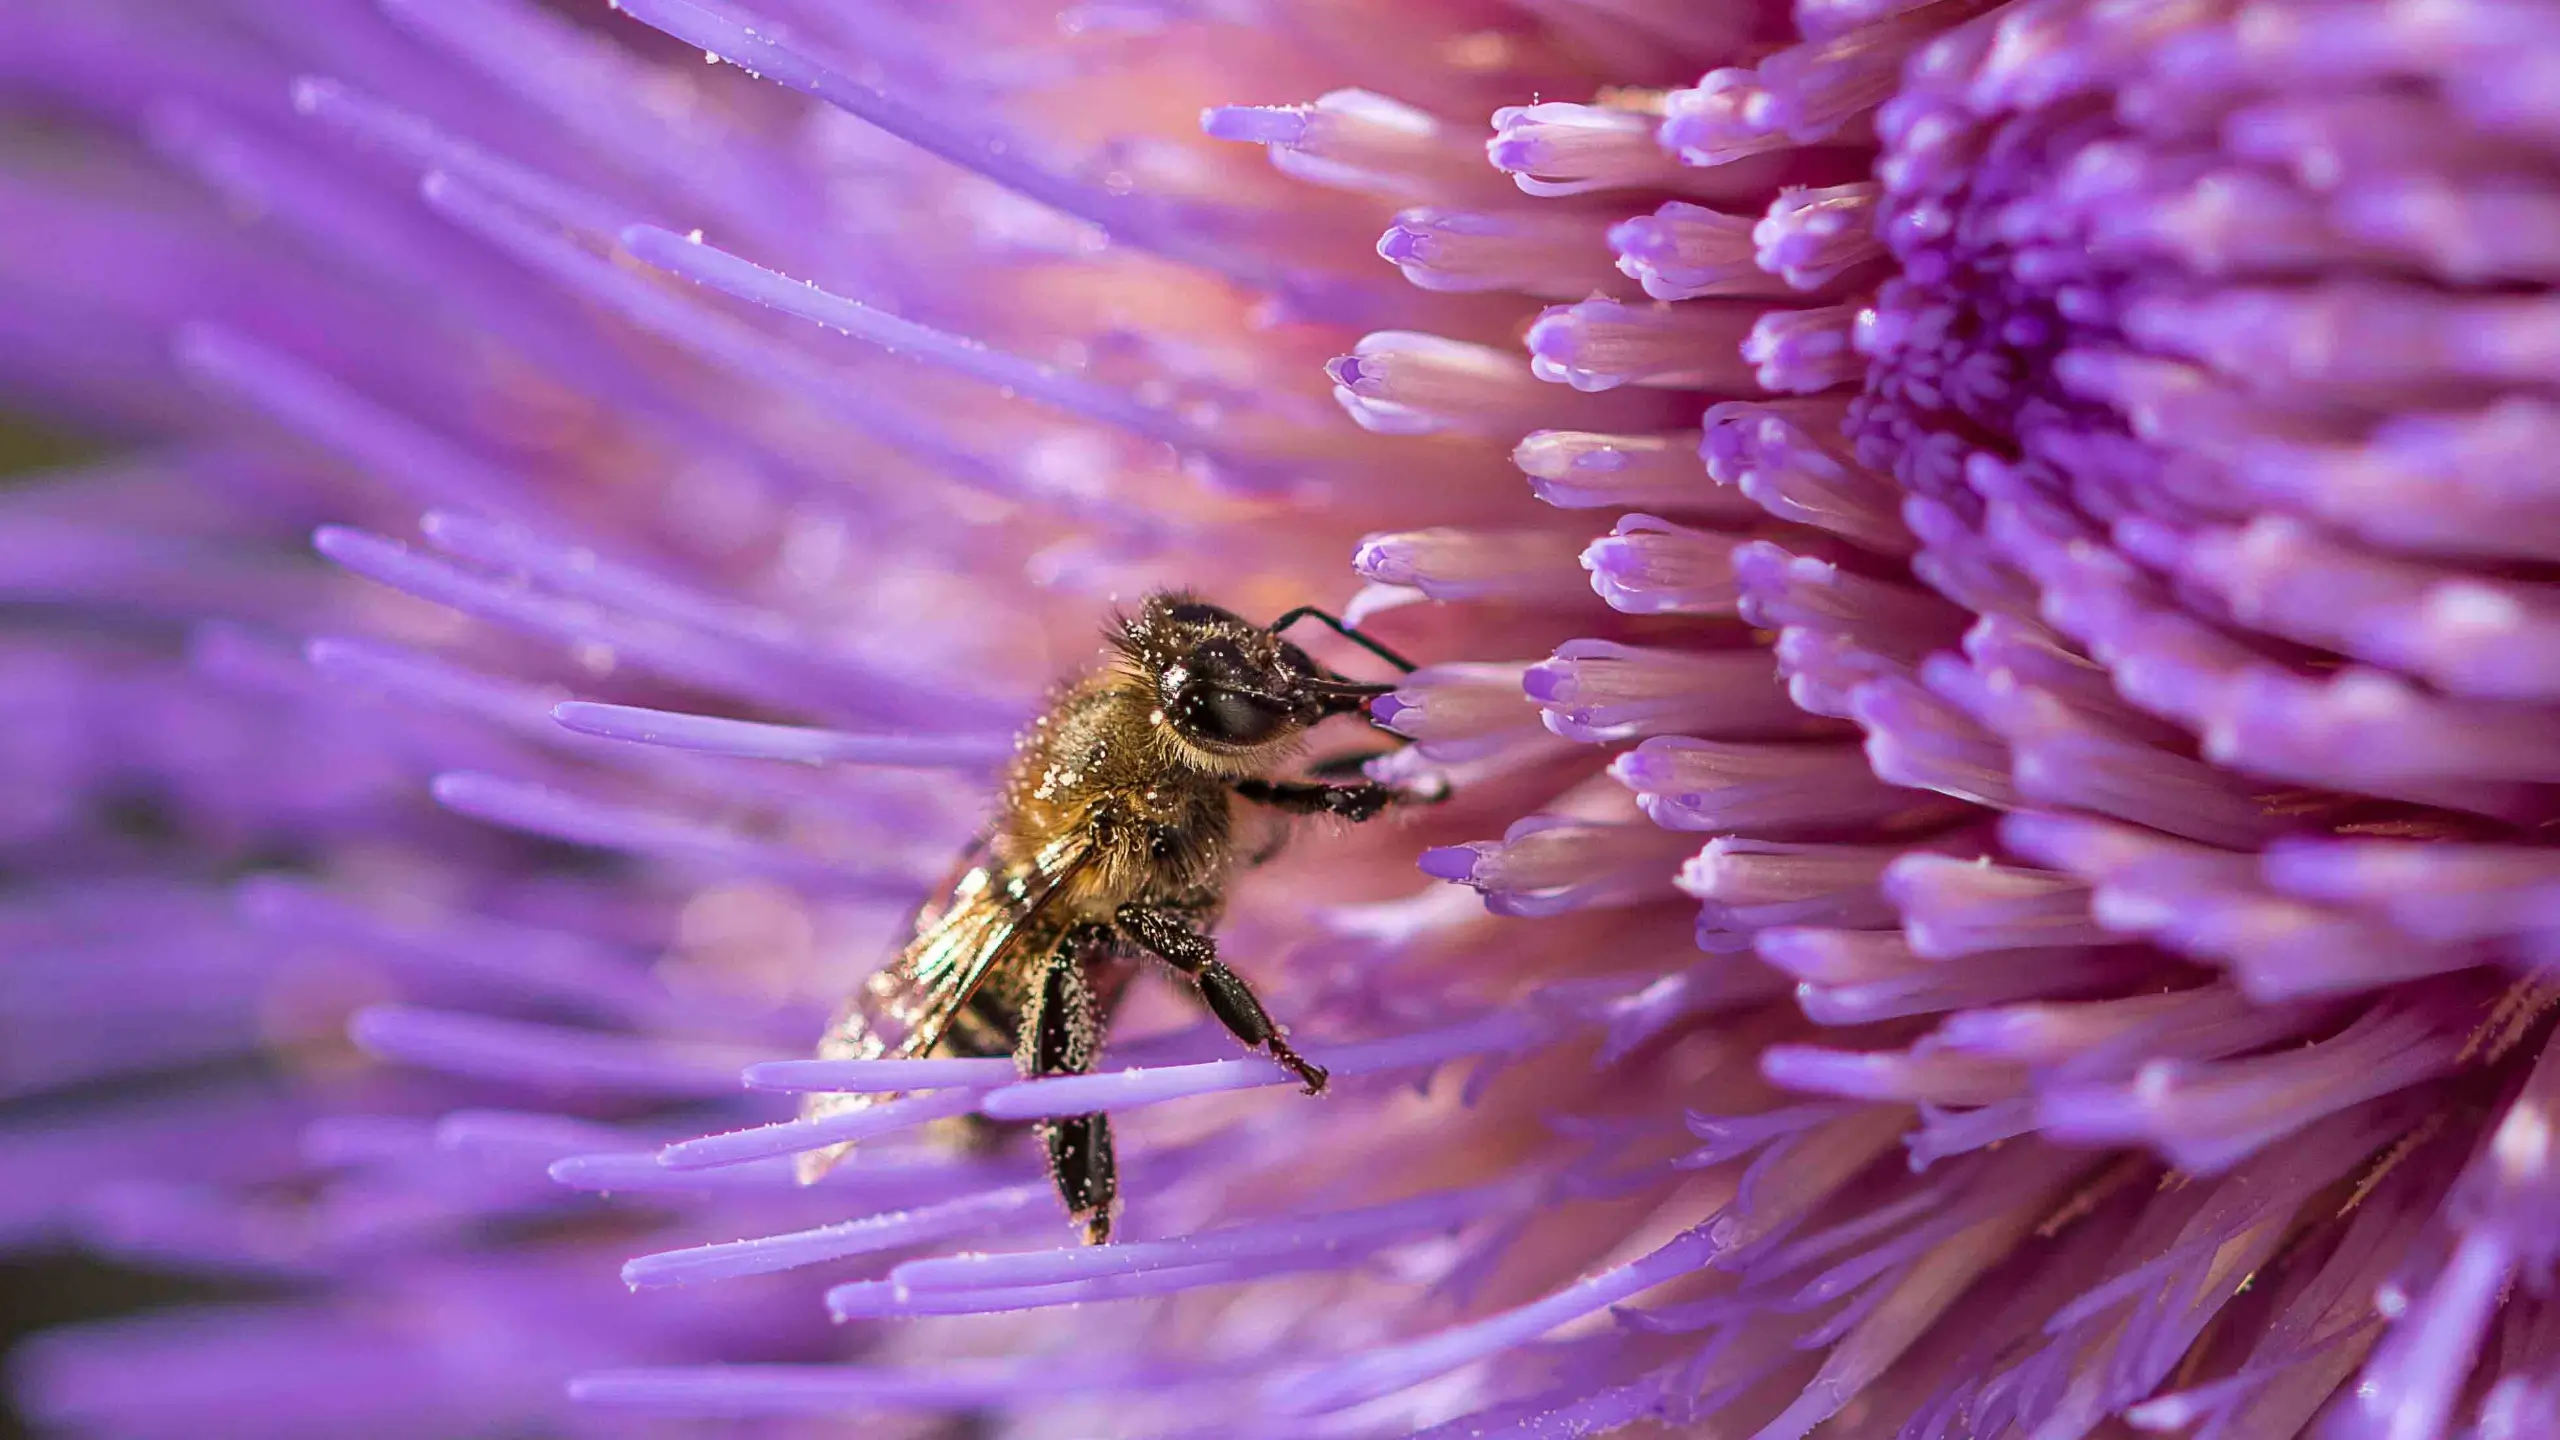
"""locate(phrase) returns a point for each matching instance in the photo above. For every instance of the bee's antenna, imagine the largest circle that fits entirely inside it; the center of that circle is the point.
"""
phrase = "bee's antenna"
(1309, 612)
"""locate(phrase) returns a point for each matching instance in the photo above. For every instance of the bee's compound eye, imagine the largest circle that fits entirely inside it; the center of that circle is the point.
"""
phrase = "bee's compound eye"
(1296, 659)
(1229, 717)
(1194, 613)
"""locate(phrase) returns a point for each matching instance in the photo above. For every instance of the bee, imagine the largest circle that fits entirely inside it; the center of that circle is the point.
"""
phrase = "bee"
(1112, 844)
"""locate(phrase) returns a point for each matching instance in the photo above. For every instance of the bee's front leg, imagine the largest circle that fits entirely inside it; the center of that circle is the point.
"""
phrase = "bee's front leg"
(1061, 1035)
(1170, 937)
(1355, 803)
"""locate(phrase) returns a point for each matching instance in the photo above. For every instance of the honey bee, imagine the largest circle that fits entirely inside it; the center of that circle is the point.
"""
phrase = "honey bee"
(1113, 841)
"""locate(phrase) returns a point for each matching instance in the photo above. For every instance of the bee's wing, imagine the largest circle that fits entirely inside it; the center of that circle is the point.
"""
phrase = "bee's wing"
(988, 913)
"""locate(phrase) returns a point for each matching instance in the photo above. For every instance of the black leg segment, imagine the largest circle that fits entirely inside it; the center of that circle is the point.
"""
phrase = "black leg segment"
(1166, 934)
(1355, 802)
(1083, 1166)
(1062, 1035)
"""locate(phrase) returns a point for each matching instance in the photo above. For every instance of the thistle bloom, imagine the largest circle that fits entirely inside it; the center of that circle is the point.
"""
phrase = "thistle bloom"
(2001, 750)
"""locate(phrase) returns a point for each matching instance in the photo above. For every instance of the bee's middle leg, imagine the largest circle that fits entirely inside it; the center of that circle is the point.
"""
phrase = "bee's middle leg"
(1061, 1035)
(1169, 936)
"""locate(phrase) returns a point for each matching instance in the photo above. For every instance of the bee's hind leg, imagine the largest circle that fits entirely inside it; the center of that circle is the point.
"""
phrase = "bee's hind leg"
(1061, 1035)
(1169, 936)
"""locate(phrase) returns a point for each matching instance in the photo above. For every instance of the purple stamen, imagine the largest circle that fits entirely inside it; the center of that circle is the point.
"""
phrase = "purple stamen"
(1384, 1370)
(1187, 232)
(792, 1137)
(1392, 1223)
(722, 271)
(420, 144)
(583, 820)
(547, 1057)
(1500, 1032)
(712, 735)
(428, 467)
(752, 1390)
(875, 1077)
(888, 1299)
(867, 1236)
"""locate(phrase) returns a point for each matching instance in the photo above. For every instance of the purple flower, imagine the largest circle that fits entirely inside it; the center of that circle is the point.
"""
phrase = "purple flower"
(2010, 849)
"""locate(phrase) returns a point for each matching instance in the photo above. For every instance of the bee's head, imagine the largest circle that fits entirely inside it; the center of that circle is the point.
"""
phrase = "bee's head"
(1227, 687)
